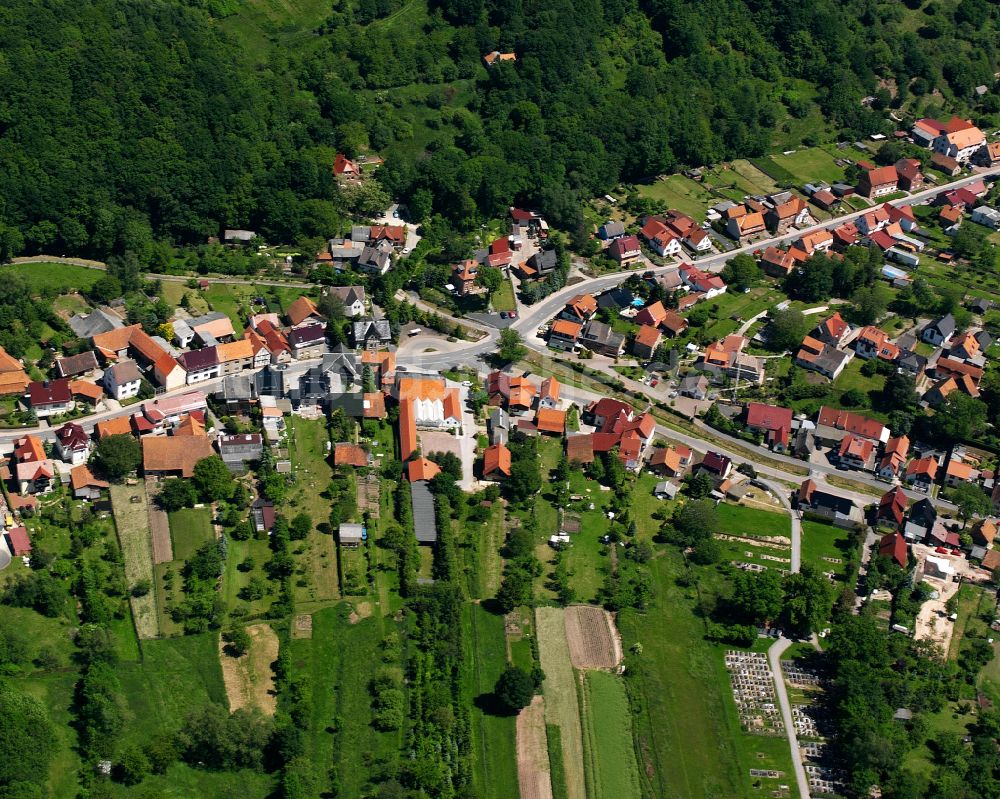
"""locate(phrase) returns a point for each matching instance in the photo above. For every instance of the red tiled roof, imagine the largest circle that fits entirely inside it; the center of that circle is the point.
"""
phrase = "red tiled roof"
(20, 542)
(49, 392)
(580, 448)
(346, 454)
(768, 417)
(422, 469)
(301, 309)
(851, 422)
(550, 420)
(496, 458)
(893, 546)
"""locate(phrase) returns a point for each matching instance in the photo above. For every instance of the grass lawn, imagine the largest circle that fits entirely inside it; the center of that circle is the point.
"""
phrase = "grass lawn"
(729, 309)
(684, 730)
(587, 558)
(920, 759)
(821, 541)
(487, 567)
(738, 179)
(810, 165)
(494, 756)
(233, 579)
(307, 441)
(341, 701)
(681, 193)
(132, 523)
(189, 529)
(233, 299)
(184, 782)
(260, 24)
(741, 520)
(58, 278)
(55, 692)
(609, 757)
(176, 677)
(503, 298)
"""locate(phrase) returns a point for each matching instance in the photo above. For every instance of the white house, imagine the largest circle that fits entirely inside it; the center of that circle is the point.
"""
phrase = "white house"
(960, 144)
(353, 298)
(72, 444)
(984, 215)
(123, 380)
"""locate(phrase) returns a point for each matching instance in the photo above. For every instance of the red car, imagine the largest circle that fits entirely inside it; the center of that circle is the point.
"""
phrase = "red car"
(956, 552)
(941, 550)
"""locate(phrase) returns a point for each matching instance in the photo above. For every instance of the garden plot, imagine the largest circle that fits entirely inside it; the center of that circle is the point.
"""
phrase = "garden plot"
(533, 775)
(593, 640)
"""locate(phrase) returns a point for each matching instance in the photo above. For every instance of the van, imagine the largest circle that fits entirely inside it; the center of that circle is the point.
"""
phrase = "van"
(415, 332)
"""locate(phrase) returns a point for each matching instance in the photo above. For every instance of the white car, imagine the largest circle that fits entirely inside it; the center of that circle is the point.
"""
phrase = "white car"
(467, 383)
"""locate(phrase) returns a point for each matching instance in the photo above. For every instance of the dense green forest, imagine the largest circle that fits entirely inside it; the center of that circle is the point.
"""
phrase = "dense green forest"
(124, 124)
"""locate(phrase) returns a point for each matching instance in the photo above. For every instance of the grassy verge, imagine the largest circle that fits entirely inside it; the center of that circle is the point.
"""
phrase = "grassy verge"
(556, 767)
(60, 278)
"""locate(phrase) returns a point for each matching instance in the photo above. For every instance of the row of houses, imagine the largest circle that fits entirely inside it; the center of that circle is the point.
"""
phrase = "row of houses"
(575, 327)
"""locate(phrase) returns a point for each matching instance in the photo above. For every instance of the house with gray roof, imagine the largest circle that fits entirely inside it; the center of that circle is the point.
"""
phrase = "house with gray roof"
(238, 450)
(353, 298)
(237, 391)
(611, 230)
(375, 260)
(422, 505)
(97, 321)
(599, 337)
(694, 386)
(939, 332)
(499, 426)
(371, 333)
(270, 382)
(236, 236)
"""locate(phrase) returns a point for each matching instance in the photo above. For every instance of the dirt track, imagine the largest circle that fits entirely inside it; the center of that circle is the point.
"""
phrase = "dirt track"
(249, 679)
(533, 775)
(159, 526)
(592, 637)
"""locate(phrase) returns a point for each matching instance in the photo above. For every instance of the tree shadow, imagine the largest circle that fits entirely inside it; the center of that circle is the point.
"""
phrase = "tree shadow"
(492, 706)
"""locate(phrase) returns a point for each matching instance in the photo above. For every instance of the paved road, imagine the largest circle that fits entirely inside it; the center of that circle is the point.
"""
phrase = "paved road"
(782, 494)
(774, 658)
